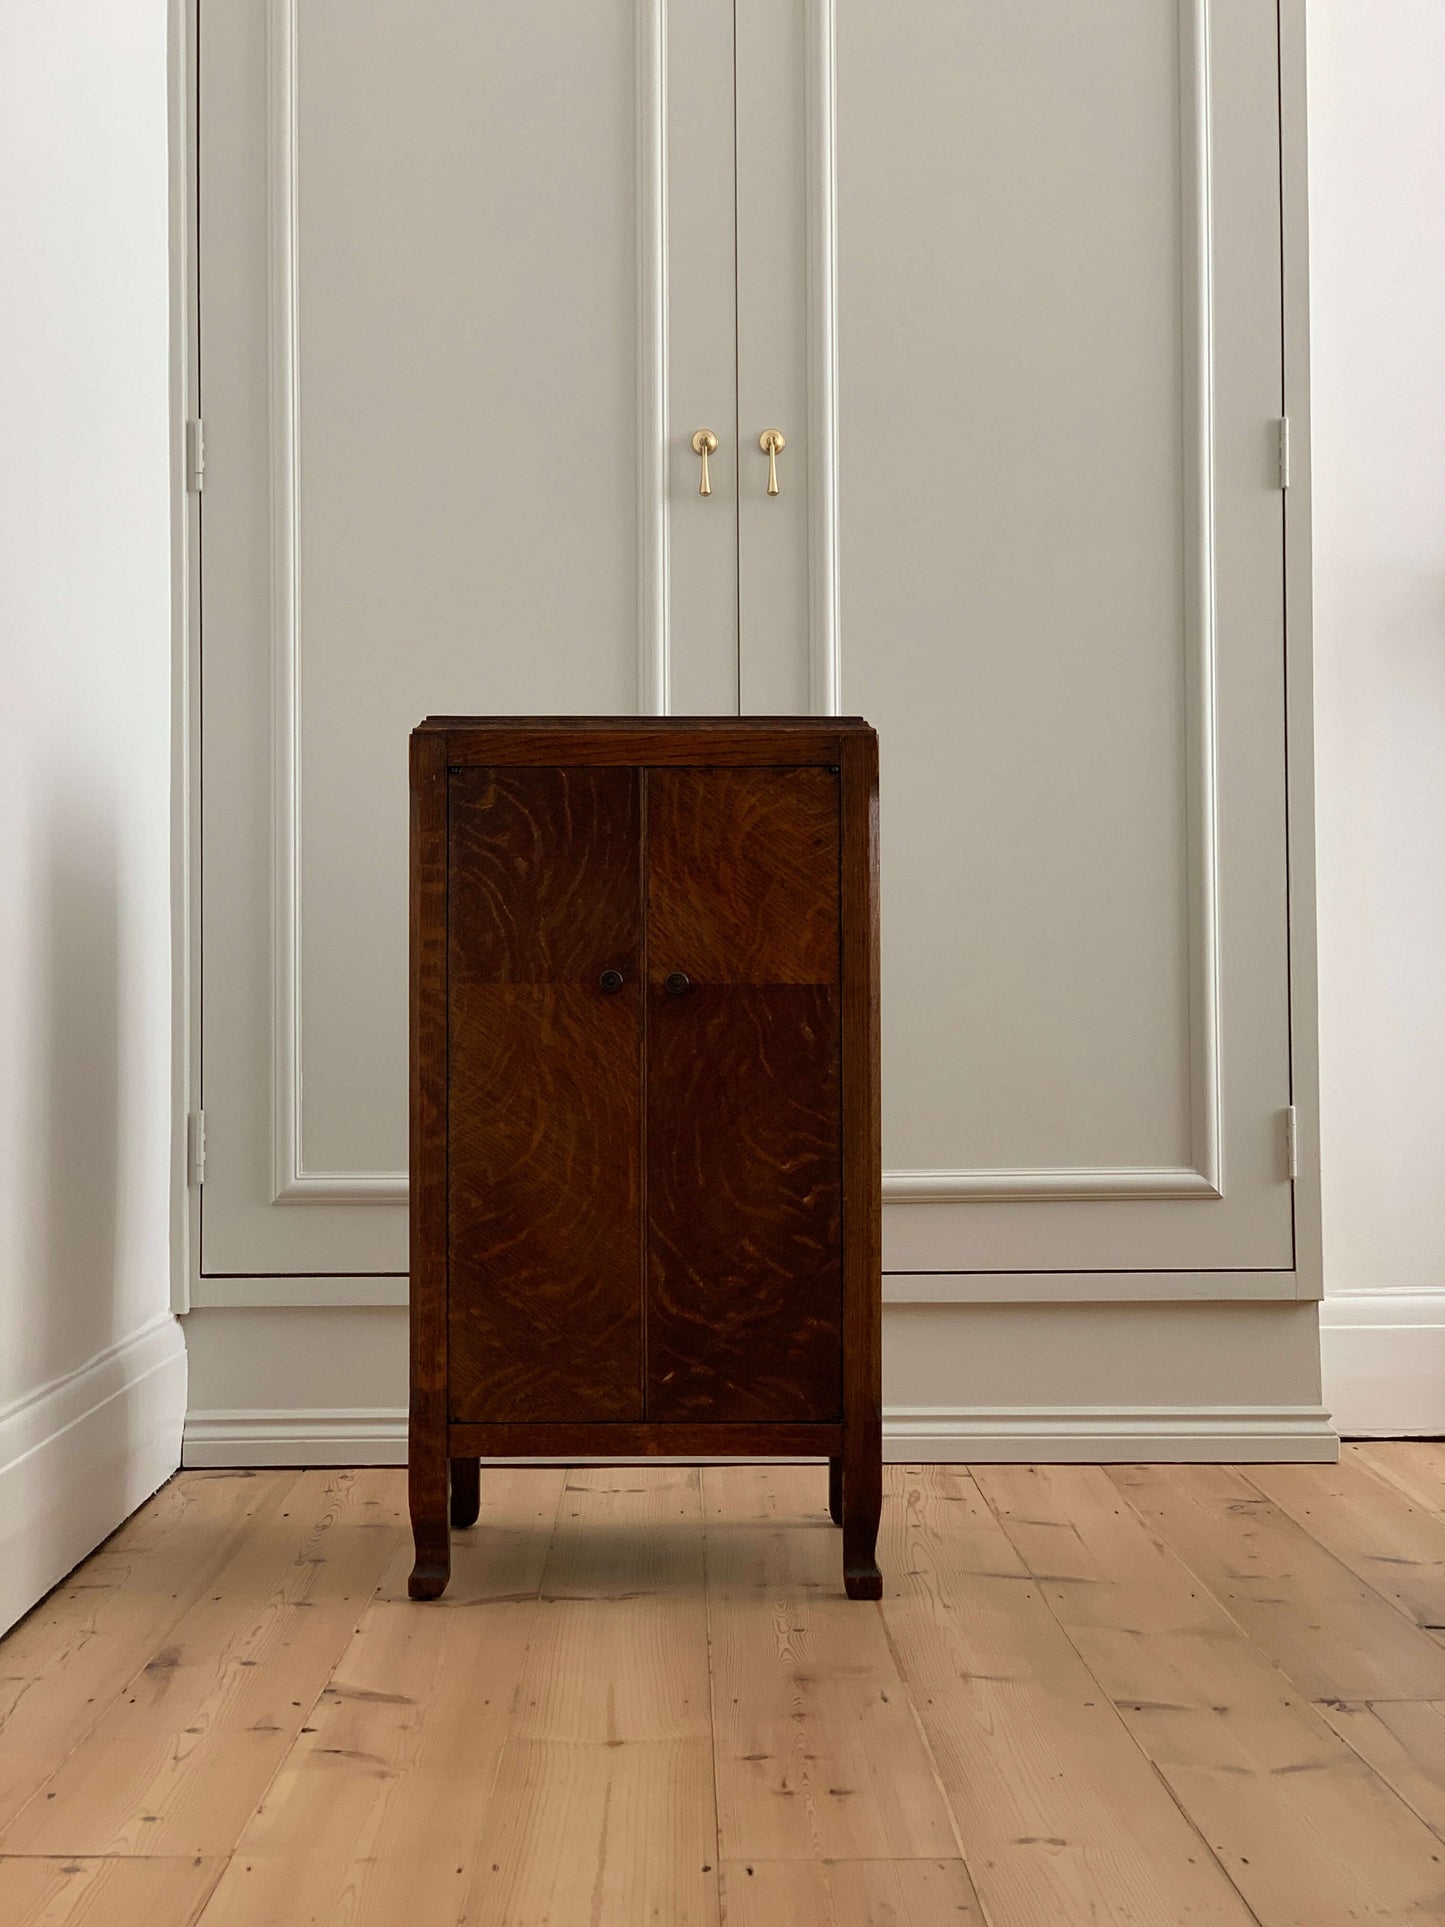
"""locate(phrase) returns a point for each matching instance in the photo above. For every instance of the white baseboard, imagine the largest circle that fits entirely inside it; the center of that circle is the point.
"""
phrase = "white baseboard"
(1087, 1434)
(77, 1456)
(1382, 1354)
(1099, 1434)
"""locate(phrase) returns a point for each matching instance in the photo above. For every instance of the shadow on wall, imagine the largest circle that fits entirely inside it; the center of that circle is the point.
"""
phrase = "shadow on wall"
(75, 1241)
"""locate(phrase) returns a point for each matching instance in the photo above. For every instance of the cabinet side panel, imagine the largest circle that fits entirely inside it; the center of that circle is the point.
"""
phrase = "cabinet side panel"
(544, 1099)
(428, 1045)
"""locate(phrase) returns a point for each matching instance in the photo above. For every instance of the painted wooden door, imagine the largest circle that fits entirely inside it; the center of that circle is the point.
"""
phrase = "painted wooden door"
(744, 1154)
(1018, 312)
(545, 1080)
(466, 290)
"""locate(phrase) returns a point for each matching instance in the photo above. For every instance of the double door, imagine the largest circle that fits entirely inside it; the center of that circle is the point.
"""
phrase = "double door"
(643, 1095)
(1007, 280)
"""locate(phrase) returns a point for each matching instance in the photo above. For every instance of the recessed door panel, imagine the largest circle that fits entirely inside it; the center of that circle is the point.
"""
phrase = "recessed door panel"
(743, 1143)
(1037, 462)
(445, 250)
(544, 1094)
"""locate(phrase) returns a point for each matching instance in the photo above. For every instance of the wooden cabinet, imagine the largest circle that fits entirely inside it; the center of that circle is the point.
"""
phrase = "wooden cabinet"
(645, 1155)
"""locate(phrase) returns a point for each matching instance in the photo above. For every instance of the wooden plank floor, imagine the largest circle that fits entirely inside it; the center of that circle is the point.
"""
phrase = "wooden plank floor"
(1144, 1695)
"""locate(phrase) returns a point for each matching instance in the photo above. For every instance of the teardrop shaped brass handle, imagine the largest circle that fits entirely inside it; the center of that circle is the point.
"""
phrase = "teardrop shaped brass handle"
(704, 443)
(772, 442)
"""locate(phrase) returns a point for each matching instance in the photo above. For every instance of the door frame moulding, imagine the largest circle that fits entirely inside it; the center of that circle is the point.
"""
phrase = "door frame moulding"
(183, 212)
(188, 1286)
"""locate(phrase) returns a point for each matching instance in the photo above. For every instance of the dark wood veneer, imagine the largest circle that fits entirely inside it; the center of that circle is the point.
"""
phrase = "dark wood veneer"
(645, 1144)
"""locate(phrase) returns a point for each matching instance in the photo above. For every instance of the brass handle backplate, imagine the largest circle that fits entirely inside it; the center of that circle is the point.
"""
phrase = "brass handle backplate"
(772, 442)
(704, 443)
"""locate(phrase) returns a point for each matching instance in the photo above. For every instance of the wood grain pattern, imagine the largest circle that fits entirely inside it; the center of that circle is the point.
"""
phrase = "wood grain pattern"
(544, 876)
(1062, 1817)
(642, 741)
(742, 875)
(1397, 1548)
(178, 1760)
(1246, 1757)
(1334, 1636)
(1403, 1743)
(428, 1472)
(860, 1498)
(1415, 1467)
(1103, 1737)
(604, 1808)
(642, 1226)
(65, 1892)
(75, 1653)
(744, 1165)
(817, 1754)
(374, 1816)
(849, 1893)
(699, 1439)
(544, 1094)
(544, 1206)
(744, 1304)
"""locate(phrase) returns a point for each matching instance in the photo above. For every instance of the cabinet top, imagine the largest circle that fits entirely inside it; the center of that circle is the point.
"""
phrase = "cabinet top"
(536, 725)
(641, 741)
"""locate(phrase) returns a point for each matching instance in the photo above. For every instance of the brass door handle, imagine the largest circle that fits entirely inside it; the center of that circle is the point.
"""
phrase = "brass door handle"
(772, 443)
(704, 443)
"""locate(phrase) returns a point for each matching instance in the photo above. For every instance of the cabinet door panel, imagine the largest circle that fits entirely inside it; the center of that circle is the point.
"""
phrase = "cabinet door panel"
(544, 1102)
(743, 1152)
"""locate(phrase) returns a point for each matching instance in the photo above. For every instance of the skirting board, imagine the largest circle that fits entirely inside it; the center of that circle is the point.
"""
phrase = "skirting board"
(1047, 1435)
(1382, 1355)
(78, 1456)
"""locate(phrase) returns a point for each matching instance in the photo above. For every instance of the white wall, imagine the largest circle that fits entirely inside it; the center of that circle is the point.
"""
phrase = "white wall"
(92, 1375)
(1377, 161)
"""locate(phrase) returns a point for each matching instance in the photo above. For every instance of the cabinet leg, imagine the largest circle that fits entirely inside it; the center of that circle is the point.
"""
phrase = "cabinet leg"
(466, 1492)
(835, 1490)
(427, 1493)
(862, 1506)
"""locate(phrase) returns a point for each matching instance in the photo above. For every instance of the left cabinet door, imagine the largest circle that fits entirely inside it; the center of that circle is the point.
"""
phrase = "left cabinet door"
(544, 1103)
(466, 291)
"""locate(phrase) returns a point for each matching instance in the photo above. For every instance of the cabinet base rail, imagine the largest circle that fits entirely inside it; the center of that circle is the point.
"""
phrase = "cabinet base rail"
(642, 1439)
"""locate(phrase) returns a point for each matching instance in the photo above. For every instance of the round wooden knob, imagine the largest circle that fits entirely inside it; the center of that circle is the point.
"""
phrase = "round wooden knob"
(610, 980)
(678, 982)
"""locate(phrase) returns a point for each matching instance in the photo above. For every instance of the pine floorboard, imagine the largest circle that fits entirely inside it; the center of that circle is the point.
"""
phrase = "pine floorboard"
(1163, 1696)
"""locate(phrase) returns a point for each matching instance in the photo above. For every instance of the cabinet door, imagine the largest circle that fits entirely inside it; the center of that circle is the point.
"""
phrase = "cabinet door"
(1028, 361)
(743, 1120)
(544, 1123)
(465, 293)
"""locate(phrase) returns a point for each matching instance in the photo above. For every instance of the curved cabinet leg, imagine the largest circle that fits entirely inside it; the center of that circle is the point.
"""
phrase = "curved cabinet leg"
(835, 1490)
(427, 1493)
(862, 1507)
(466, 1492)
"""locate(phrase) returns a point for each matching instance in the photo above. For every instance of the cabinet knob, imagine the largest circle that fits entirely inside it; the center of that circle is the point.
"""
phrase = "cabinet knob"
(610, 980)
(678, 981)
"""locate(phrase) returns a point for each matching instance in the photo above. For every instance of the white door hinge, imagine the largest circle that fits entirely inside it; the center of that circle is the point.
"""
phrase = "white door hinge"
(1284, 451)
(1291, 1141)
(195, 456)
(196, 1147)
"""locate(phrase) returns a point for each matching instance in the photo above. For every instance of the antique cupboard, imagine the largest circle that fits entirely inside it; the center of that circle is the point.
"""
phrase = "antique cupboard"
(644, 1155)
